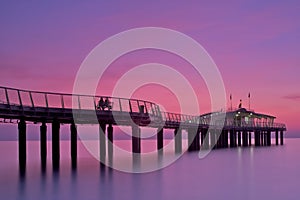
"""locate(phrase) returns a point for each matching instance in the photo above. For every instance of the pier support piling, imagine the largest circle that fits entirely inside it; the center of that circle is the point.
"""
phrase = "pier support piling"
(178, 140)
(262, 143)
(257, 138)
(102, 130)
(281, 137)
(239, 138)
(55, 143)
(136, 139)
(43, 143)
(265, 139)
(276, 137)
(250, 138)
(73, 130)
(212, 135)
(110, 136)
(160, 139)
(225, 138)
(245, 139)
(219, 140)
(22, 144)
(204, 143)
(197, 140)
(232, 138)
(268, 138)
(193, 136)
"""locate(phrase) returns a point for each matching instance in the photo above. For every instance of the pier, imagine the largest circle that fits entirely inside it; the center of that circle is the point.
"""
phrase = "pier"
(47, 108)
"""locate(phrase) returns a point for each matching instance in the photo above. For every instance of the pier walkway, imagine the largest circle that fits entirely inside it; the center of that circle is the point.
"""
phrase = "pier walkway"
(44, 108)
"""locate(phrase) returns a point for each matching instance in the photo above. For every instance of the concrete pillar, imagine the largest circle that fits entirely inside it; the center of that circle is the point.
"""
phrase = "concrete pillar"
(225, 138)
(55, 143)
(197, 140)
(22, 144)
(250, 138)
(257, 138)
(239, 138)
(203, 135)
(262, 143)
(276, 137)
(193, 136)
(160, 139)
(245, 139)
(219, 140)
(110, 137)
(281, 137)
(212, 135)
(136, 139)
(102, 137)
(73, 130)
(178, 140)
(268, 138)
(232, 138)
(265, 139)
(204, 144)
(43, 143)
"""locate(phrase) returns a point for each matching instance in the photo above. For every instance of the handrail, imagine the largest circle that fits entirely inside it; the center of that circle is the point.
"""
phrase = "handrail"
(69, 94)
(113, 104)
(36, 99)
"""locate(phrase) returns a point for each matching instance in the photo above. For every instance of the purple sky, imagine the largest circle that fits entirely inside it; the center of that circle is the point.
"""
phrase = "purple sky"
(255, 44)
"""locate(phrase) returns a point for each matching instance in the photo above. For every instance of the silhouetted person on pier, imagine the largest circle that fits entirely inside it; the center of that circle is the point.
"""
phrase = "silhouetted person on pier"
(101, 104)
(240, 105)
(107, 104)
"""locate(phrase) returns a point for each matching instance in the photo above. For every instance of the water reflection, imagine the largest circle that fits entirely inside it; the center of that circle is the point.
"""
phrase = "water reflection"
(22, 182)
(238, 173)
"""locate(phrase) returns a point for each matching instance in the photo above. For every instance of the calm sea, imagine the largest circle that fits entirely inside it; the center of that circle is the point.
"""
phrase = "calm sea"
(241, 173)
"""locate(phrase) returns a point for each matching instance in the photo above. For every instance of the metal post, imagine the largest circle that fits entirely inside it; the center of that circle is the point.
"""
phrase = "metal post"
(46, 100)
(20, 99)
(62, 101)
(7, 97)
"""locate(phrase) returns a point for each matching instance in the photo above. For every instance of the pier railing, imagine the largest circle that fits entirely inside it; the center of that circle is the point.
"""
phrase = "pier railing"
(179, 118)
(243, 124)
(23, 100)
(20, 99)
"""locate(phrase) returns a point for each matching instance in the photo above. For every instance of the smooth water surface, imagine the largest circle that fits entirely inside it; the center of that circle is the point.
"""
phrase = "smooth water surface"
(240, 173)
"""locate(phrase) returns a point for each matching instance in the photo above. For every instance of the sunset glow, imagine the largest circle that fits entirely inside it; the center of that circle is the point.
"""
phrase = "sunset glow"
(255, 46)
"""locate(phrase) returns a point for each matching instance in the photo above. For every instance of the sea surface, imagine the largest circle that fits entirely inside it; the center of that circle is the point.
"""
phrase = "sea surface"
(239, 173)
